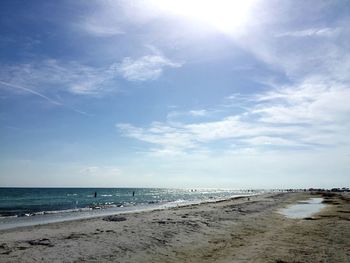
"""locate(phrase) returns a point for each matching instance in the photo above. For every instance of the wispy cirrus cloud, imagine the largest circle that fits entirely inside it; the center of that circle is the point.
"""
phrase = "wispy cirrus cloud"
(79, 79)
(196, 113)
(311, 32)
(145, 68)
(105, 20)
(307, 115)
(182, 138)
(312, 101)
(41, 95)
(100, 30)
(175, 115)
(13, 86)
(101, 171)
(51, 74)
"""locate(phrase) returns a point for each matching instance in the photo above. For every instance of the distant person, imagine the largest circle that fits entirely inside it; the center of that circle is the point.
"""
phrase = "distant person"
(95, 194)
(133, 193)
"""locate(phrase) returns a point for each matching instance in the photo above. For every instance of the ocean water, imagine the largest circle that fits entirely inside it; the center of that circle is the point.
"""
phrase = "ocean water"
(27, 206)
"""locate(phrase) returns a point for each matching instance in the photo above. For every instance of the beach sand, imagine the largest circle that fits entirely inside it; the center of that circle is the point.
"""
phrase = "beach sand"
(235, 230)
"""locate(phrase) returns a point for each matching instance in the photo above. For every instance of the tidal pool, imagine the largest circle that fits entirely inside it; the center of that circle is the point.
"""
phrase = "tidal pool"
(303, 208)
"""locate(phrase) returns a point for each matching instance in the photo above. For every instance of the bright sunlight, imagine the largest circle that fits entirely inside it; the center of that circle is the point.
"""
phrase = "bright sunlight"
(224, 15)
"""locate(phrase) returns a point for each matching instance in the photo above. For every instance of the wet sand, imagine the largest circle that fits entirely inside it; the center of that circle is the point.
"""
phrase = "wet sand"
(234, 230)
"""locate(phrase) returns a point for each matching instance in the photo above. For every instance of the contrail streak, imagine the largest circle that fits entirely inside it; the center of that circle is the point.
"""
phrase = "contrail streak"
(31, 91)
(42, 96)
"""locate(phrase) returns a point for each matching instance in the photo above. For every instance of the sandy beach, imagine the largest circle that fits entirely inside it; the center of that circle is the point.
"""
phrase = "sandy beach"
(235, 230)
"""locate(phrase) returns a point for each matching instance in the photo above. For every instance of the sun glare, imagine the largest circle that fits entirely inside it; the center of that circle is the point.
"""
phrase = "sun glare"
(225, 15)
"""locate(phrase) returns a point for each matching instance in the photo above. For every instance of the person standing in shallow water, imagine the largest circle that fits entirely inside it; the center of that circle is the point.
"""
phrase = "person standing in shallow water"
(95, 195)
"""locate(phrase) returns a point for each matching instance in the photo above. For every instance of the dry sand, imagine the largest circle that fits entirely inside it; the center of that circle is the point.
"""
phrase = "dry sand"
(234, 230)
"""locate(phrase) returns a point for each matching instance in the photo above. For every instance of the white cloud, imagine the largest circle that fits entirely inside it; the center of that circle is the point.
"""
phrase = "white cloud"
(311, 114)
(311, 32)
(308, 102)
(52, 74)
(168, 137)
(101, 171)
(105, 20)
(12, 86)
(99, 30)
(175, 115)
(270, 141)
(195, 137)
(145, 68)
(198, 113)
(41, 95)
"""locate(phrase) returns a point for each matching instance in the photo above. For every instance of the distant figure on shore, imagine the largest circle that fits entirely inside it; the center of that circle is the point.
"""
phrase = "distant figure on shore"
(95, 194)
(133, 193)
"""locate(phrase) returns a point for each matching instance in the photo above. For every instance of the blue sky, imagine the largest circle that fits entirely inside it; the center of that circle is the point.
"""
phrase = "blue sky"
(233, 94)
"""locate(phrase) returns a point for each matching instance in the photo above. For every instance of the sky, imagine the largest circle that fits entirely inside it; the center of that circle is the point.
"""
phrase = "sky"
(161, 93)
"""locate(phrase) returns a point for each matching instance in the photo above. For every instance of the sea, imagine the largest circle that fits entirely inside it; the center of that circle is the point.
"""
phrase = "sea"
(31, 206)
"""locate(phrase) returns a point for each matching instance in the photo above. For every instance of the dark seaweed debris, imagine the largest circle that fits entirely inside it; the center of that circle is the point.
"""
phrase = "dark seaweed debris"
(41, 242)
(114, 218)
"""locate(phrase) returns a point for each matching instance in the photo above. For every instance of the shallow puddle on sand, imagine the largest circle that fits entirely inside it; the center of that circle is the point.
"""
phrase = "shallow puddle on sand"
(303, 209)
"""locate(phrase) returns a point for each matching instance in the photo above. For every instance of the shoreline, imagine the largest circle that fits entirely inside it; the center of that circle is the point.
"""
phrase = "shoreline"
(72, 203)
(12, 222)
(234, 230)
